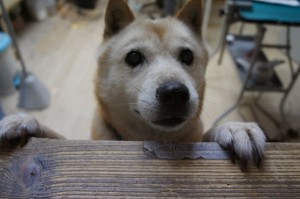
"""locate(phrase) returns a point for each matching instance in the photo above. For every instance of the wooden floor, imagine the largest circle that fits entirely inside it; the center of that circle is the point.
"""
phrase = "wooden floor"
(62, 51)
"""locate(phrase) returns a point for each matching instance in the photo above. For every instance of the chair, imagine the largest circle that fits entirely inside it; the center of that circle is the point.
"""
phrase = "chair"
(247, 51)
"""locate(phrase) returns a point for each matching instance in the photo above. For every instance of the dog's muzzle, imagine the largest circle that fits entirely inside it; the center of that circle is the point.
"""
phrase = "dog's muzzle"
(173, 98)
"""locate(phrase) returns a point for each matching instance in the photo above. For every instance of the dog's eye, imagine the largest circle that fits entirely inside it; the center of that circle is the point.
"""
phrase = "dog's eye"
(186, 56)
(134, 58)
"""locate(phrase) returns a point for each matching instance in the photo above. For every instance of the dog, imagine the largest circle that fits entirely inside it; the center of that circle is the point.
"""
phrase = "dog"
(150, 86)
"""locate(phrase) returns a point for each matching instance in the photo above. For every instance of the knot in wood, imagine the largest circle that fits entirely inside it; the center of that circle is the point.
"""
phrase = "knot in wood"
(31, 174)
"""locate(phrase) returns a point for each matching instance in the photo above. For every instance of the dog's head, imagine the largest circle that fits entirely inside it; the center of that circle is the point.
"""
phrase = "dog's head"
(152, 70)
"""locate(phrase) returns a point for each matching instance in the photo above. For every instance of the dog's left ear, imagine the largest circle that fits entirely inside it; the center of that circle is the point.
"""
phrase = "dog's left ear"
(118, 15)
(191, 15)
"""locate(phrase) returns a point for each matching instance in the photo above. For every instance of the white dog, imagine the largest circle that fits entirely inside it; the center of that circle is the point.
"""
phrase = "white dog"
(150, 86)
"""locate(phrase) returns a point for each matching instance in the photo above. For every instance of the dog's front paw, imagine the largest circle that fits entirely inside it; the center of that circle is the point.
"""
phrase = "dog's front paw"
(15, 130)
(245, 141)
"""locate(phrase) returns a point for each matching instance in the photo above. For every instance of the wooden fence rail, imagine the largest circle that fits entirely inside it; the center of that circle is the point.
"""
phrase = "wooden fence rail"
(119, 169)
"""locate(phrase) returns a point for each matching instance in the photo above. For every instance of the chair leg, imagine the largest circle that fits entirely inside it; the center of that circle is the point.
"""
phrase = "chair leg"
(258, 40)
(241, 28)
(294, 77)
(225, 29)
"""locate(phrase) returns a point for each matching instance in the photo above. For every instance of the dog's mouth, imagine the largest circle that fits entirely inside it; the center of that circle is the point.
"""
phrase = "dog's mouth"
(169, 122)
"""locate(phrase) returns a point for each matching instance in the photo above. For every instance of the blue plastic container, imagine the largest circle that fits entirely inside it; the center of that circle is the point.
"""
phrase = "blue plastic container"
(8, 65)
(1, 113)
(5, 41)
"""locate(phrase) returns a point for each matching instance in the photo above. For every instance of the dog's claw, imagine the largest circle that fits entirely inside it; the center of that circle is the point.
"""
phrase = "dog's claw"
(15, 130)
(232, 153)
(244, 164)
(243, 161)
(257, 156)
(245, 142)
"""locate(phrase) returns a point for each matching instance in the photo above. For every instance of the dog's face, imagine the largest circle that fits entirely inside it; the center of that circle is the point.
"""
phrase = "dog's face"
(152, 70)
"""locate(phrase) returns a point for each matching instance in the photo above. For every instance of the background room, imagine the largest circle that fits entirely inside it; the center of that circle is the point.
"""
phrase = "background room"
(60, 42)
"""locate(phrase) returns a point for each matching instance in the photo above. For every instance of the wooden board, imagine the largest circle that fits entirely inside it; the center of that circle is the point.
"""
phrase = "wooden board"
(111, 169)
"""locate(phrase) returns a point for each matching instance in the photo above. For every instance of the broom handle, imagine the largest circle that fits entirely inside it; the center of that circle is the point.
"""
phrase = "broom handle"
(13, 35)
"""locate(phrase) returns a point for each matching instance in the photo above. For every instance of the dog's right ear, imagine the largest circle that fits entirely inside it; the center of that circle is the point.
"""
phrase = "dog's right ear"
(118, 15)
(191, 15)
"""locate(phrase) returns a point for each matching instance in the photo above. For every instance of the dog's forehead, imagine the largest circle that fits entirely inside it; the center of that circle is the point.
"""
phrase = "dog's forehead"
(156, 32)
(157, 28)
(164, 28)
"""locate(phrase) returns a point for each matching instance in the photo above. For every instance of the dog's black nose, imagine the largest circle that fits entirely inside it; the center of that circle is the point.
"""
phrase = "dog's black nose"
(173, 94)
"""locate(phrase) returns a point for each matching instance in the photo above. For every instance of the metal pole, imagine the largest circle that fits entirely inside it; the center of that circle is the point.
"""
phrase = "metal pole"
(207, 11)
(225, 30)
(258, 40)
(13, 35)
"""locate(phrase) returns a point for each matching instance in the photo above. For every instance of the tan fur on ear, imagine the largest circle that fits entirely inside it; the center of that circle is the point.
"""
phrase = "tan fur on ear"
(118, 15)
(191, 15)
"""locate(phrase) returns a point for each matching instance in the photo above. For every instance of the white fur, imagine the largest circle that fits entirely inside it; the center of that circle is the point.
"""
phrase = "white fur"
(137, 87)
(243, 137)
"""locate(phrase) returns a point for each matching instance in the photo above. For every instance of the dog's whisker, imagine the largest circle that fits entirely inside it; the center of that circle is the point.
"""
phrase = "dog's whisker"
(155, 81)
(140, 91)
(205, 100)
(152, 110)
(200, 84)
(145, 101)
(206, 115)
(202, 99)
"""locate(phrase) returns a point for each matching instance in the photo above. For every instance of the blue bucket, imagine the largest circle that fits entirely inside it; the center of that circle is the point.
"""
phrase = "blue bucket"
(8, 66)
(1, 113)
(5, 41)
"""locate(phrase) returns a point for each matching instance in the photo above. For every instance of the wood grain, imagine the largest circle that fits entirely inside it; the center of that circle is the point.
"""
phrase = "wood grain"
(112, 169)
